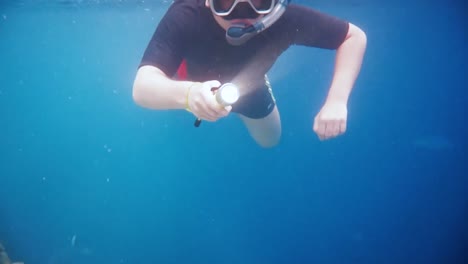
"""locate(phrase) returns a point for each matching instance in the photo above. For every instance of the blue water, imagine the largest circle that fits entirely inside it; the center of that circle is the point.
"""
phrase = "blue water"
(87, 176)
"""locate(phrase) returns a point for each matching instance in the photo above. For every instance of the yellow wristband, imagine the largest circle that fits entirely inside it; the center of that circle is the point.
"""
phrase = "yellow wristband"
(187, 107)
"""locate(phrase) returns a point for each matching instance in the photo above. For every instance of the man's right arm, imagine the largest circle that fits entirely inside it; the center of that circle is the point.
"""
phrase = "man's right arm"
(153, 89)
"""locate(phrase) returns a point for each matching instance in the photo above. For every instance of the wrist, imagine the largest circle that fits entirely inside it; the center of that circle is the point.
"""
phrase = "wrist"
(187, 97)
(336, 99)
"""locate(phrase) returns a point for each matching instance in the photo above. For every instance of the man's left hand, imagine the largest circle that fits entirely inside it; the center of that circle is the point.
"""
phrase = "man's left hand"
(330, 122)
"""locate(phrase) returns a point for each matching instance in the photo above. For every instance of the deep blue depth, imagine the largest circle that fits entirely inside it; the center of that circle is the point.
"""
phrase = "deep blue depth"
(87, 176)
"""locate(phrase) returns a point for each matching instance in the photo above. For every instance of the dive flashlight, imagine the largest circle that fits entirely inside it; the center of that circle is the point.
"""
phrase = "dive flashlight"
(225, 95)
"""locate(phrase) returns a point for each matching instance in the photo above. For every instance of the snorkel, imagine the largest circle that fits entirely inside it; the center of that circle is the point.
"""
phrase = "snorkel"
(239, 34)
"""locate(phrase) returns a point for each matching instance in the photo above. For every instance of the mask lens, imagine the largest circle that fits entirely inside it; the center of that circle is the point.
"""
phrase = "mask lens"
(224, 7)
(262, 5)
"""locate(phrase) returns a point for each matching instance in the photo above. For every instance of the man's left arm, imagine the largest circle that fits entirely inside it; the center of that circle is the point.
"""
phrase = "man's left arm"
(331, 120)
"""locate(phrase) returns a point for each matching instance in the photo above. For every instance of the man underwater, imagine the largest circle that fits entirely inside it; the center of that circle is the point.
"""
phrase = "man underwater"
(211, 42)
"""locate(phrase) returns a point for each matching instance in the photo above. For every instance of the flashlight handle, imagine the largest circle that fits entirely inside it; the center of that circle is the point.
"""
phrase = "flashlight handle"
(197, 122)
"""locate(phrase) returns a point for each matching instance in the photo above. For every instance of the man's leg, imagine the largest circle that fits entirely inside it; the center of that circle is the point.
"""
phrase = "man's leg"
(266, 131)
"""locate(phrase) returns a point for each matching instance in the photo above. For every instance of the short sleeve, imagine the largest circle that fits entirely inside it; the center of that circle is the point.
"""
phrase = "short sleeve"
(310, 27)
(169, 42)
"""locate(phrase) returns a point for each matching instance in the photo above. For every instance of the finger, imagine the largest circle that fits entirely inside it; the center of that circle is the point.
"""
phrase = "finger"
(316, 125)
(328, 129)
(211, 84)
(213, 112)
(319, 127)
(213, 108)
(335, 129)
(210, 115)
(202, 111)
(207, 117)
(342, 126)
(223, 111)
(321, 130)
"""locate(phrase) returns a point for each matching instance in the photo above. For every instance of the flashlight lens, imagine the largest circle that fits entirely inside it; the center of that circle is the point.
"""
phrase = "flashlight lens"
(229, 94)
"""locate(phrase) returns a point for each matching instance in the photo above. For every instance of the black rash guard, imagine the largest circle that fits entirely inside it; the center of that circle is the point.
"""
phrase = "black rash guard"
(188, 31)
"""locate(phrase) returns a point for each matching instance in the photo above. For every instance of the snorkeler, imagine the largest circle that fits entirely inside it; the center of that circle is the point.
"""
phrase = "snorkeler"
(201, 44)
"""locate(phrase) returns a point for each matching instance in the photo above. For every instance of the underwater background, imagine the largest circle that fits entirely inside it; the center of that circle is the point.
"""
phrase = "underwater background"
(87, 176)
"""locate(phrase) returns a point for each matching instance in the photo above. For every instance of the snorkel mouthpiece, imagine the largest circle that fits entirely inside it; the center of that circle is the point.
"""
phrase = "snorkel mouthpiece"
(239, 34)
